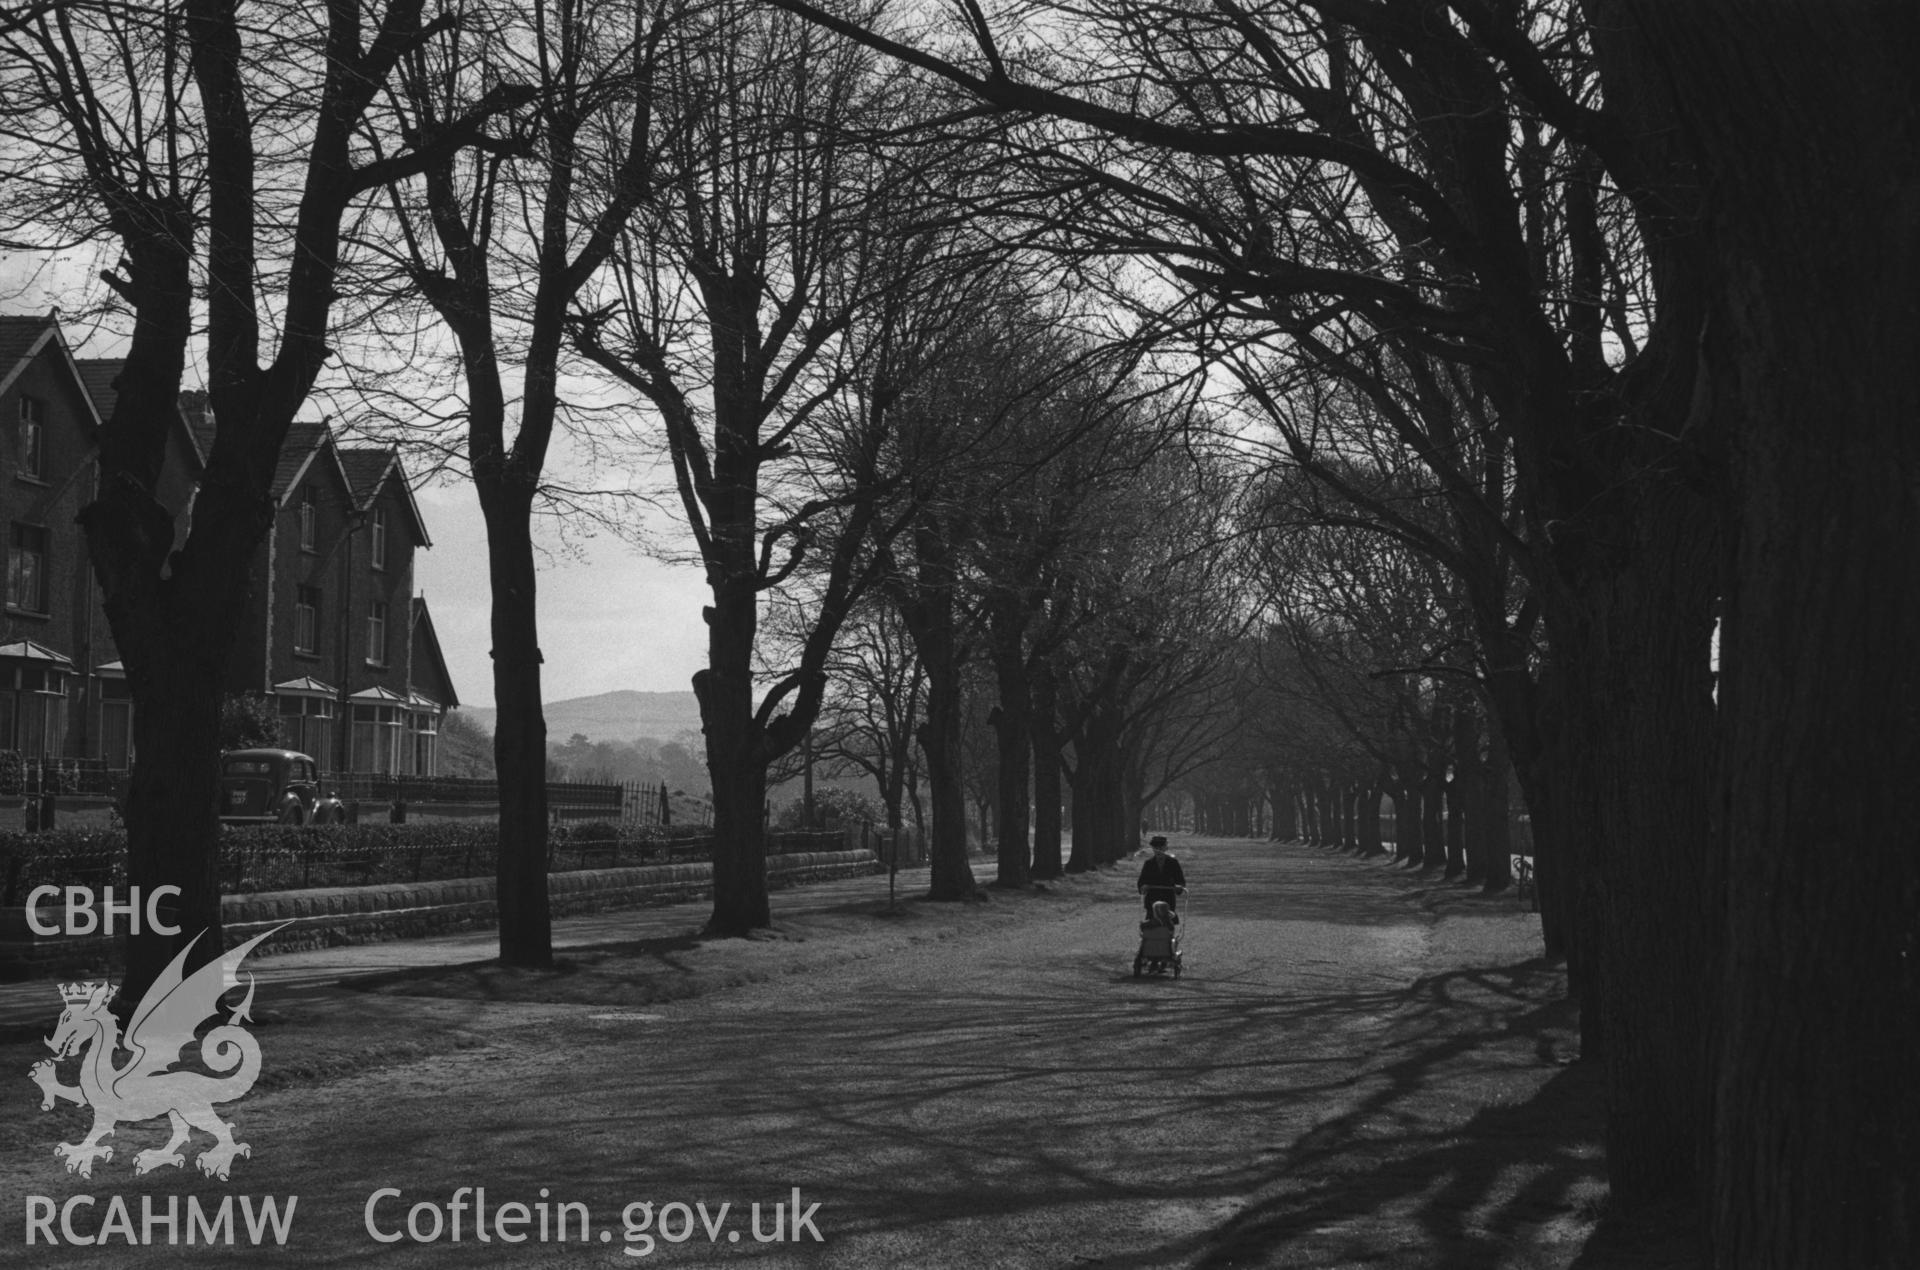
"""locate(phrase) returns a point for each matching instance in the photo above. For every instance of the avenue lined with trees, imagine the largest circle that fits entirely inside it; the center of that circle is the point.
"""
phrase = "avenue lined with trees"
(1477, 406)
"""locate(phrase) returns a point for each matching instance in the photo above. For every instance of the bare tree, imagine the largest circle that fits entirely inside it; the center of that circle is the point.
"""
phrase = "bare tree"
(872, 710)
(770, 306)
(232, 192)
(496, 242)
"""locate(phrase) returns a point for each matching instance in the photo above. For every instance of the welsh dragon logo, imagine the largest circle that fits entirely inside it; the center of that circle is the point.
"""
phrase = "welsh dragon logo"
(145, 1086)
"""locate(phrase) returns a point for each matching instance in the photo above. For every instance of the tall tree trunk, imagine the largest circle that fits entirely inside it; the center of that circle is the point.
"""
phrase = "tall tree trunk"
(1455, 831)
(1462, 789)
(1370, 844)
(740, 899)
(1523, 733)
(1043, 725)
(1083, 800)
(1816, 1160)
(1547, 784)
(1133, 797)
(173, 809)
(1494, 839)
(1406, 820)
(736, 755)
(1286, 820)
(940, 741)
(1813, 184)
(1640, 704)
(1097, 797)
(520, 731)
(926, 603)
(1433, 812)
(734, 765)
(1013, 726)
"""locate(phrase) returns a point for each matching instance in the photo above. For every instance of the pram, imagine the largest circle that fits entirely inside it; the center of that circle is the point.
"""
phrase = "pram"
(1159, 943)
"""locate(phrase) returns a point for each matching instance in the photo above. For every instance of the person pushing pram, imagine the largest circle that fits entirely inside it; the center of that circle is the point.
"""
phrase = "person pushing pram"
(1162, 880)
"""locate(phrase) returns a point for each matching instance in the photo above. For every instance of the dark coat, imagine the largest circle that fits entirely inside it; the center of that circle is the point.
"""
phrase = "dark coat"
(1159, 875)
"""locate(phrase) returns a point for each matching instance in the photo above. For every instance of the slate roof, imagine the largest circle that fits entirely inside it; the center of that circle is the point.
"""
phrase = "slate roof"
(97, 375)
(302, 443)
(365, 469)
(17, 338)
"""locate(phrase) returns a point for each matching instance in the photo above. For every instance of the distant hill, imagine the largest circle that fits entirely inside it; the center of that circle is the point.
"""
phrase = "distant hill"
(613, 716)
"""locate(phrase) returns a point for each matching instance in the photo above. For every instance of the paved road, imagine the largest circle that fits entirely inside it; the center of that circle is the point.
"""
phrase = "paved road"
(1013, 1098)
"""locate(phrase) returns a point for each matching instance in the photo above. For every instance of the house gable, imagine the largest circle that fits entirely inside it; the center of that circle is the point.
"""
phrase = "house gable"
(430, 675)
(378, 476)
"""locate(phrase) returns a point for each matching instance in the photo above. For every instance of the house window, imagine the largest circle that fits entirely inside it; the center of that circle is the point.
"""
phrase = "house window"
(376, 739)
(306, 724)
(31, 438)
(423, 728)
(309, 519)
(379, 534)
(377, 633)
(33, 710)
(27, 568)
(306, 620)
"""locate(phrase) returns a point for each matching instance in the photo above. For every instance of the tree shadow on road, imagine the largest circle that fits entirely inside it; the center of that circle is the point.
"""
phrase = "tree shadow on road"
(1393, 1178)
(1435, 1124)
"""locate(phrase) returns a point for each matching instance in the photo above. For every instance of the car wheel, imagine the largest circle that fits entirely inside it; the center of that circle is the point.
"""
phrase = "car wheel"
(294, 813)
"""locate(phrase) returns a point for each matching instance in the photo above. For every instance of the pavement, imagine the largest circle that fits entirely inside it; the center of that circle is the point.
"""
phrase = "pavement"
(35, 1002)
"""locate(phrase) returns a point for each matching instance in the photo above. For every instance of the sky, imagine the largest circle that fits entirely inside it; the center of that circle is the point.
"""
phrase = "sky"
(609, 617)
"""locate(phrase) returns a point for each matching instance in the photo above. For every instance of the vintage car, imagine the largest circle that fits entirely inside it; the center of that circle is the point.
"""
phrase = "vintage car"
(274, 786)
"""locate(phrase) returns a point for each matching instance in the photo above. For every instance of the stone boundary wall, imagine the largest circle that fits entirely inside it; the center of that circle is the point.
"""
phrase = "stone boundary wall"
(330, 917)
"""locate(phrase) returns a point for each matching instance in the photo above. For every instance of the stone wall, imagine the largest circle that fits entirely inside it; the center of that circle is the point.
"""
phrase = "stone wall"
(335, 916)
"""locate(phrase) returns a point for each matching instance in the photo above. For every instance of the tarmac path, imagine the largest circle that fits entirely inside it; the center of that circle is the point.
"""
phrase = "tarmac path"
(1351, 1072)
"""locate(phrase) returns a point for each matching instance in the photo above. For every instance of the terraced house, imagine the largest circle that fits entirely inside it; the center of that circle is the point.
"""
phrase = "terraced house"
(334, 633)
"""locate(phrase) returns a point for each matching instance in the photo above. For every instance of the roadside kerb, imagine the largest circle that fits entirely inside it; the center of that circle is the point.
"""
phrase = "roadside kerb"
(342, 915)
